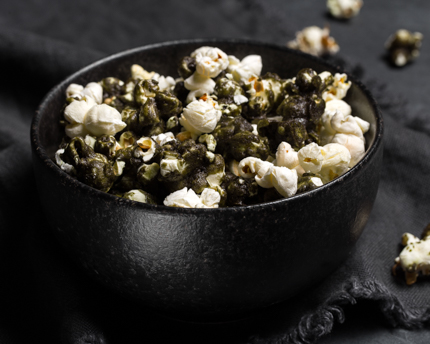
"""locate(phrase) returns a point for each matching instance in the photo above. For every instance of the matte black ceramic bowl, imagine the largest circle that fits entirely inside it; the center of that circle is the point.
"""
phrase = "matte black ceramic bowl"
(206, 262)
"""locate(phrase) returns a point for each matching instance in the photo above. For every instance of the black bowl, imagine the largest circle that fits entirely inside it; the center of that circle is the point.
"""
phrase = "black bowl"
(206, 262)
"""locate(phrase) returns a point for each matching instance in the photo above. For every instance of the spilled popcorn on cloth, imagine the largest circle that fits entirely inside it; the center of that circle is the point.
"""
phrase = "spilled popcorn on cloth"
(315, 41)
(344, 9)
(415, 256)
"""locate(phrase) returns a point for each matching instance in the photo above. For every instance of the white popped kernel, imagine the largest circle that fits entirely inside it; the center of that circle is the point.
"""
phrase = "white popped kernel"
(163, 138)
(198, 85)
(138, 72)
(90, 141)
(311, 158)
(249, 67)
(74, 90)
(210, 61)
(338, 89)
(94, 91)
(209, 198)
(147, 145)
(354, 144)
(171, 165)
(315, 41)
(284, 180)
(136, 195)
(263, 176)
(346, 125)
(103, 120)
(344, 9)
(75, 113)
(62, 164)
(336, 161)
(364, 125)
(164, 82)
(415, 256)
(240, 99)
(286, 156)
(338, 105)
(246, 167)
(200, 116)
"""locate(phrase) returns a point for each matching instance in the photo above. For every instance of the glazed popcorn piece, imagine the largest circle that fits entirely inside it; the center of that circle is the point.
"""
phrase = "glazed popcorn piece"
(415, 256)
(344, 9)
(315, 41)
(403, 47)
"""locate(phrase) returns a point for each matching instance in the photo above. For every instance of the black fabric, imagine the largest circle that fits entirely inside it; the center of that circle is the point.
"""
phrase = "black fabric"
(45, 298)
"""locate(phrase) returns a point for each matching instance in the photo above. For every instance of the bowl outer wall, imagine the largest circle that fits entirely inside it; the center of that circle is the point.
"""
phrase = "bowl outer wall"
(206, 261)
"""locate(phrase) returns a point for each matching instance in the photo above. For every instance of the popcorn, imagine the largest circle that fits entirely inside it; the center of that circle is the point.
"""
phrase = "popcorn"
(338, 89)
(344, 9)
(147, 148)
(103, 120)
(284, 180)
(185, 198)
(315, 41)
(92, 90)
(75, 113)
(63, 165)
(171, 165)
(210, 61)
(346, 125)
(336, 161)
(200, 117)
(164, 82)
(354, 144)
(198, 85)
(338, 105)
(163, 138)
(403, 47)
(286, 156)
(415, 257)
(311, 158)
(249, 67)
(138, 72)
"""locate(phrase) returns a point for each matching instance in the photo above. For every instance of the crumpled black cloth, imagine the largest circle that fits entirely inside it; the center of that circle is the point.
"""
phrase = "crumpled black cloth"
(45, 298)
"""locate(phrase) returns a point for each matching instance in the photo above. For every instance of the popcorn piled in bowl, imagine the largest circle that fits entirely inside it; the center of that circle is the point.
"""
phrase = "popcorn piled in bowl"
(221, 135)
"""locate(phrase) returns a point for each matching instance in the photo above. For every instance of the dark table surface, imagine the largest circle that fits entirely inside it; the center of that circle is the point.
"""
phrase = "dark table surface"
(36, 35)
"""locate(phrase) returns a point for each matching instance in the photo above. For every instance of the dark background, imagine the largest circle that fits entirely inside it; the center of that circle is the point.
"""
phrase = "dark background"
(45, 298)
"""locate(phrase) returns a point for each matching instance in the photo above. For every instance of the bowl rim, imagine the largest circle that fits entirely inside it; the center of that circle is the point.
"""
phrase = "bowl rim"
(40, 151)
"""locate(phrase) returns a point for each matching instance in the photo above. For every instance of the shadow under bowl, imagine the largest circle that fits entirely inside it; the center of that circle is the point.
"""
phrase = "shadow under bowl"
(206, 263)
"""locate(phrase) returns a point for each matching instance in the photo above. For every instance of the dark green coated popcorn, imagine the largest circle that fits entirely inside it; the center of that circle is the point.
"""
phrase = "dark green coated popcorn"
(245, 144)
(240, 191)
(226, 87)
(172, 124)
(403, 47)
(92, 168)
(307, 83)
(147, 174)
(145, 89)
(106, 145)
(154, 129)
(149, 113)
(193, 153)
(292, 131)
(277, 86)
(187, 67)
(112, 86)
(115, 102)
(305, 183)
(261, 102)
(229, 108)
(180, 91)
(130, 117)
(168, 104)
(197, 181)
(140, 196)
